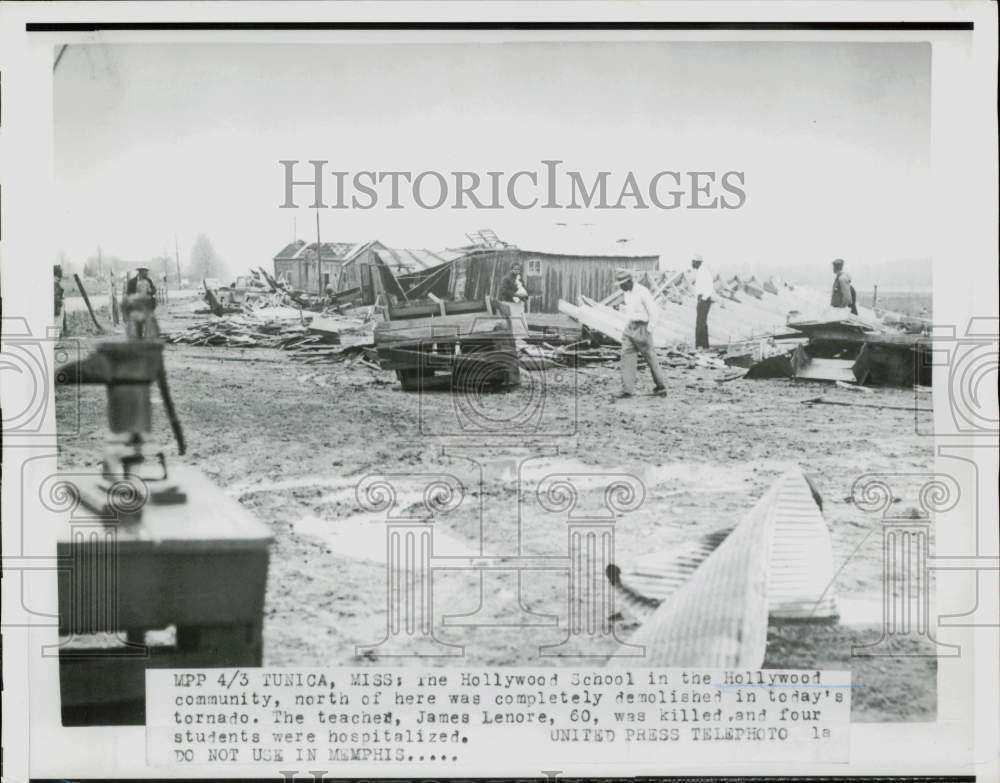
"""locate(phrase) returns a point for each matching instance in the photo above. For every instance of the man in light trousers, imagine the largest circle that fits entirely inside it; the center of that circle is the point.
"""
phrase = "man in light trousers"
(704, 288)
(637, 338)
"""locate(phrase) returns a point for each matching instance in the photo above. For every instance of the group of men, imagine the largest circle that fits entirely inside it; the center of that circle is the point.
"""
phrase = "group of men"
(642, 311)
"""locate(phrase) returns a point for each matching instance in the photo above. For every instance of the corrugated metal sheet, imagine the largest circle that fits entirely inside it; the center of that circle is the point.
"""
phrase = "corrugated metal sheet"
(404, 260)
(776, 563)
(330, 251)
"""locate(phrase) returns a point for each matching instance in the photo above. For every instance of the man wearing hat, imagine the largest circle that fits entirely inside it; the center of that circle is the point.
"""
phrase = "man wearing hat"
(141, 284)
(704, 289)
(637, 338)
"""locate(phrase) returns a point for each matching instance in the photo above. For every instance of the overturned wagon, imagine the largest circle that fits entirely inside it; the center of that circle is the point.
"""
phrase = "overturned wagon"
(448, 345)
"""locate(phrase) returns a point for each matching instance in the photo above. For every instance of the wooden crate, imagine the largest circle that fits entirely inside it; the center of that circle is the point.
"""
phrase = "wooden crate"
(199, 566)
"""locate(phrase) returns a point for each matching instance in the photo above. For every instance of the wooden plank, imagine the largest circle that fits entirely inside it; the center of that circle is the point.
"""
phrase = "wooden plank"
(439, 302)
(183, 527)
(86, 301)
(438, 328)
(816, 369)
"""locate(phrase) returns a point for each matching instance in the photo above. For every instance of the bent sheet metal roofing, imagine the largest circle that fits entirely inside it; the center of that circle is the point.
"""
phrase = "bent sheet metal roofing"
(402, 260)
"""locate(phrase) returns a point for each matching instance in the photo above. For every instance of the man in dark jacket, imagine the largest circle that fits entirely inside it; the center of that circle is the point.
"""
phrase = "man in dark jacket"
(141, 284)
(512, 288)
(513, 294)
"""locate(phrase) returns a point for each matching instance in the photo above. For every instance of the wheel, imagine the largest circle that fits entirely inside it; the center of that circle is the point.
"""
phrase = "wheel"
(414, 380)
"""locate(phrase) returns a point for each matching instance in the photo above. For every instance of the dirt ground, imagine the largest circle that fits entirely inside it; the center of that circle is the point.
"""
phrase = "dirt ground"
(290, 442)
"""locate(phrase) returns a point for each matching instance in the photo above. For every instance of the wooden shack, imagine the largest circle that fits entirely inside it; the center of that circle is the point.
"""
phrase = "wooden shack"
(303, 269)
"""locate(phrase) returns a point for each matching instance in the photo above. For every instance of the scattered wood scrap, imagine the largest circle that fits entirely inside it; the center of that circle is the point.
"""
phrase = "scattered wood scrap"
(331, 340)
(826, 401)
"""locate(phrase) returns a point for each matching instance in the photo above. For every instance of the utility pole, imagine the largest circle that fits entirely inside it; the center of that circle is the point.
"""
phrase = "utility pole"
(319, 257)
(100, 266)
(166, 275)
(177, 255)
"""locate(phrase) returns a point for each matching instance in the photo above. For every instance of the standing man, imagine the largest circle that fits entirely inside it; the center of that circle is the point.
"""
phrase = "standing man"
(637, 339)
(704, 289)
(57, 290)
(843, 292)
(139, 305)
(514, 295)
(141, 284)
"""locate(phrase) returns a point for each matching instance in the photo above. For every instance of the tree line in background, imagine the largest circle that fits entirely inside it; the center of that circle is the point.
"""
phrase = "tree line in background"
(203, 262)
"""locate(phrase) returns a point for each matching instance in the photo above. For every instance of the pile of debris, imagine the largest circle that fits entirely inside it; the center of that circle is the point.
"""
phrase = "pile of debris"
(259, 289)
(833, 345)
(311, 339)
(743, 310)
(586, 352)
(773, 329)
(237, 332)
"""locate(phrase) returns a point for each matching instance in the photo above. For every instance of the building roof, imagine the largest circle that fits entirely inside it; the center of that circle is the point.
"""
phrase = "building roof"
(330, 251)
(565, 240)
(403, 260)
(289, 250)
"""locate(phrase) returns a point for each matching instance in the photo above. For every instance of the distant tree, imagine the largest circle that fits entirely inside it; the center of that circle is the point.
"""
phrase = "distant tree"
(205, 262)
(96, 266)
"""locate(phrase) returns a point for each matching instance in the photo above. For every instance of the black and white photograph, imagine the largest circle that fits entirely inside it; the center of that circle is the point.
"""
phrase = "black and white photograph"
(431, 359)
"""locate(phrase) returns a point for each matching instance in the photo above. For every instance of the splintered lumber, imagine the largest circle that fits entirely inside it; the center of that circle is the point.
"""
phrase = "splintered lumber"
(666, 331)
(214, 305)
(598, 319)
(715, 604)
(279, 286)
(334, 326)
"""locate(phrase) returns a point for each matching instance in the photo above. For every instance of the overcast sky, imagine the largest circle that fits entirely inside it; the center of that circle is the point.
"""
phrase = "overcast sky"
(154, 141)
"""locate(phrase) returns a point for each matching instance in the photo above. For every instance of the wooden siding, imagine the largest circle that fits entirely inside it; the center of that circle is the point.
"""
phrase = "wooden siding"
(301, 273)
(561, 276)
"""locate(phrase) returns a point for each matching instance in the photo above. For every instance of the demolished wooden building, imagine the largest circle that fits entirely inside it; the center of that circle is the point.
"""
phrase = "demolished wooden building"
(548, 276)
(361, 273)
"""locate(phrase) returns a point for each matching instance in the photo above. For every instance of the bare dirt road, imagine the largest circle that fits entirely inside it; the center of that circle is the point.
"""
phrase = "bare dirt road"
(291, 442)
